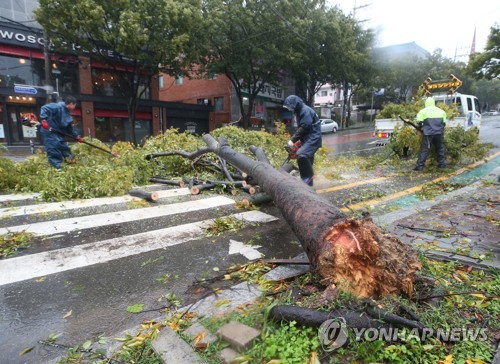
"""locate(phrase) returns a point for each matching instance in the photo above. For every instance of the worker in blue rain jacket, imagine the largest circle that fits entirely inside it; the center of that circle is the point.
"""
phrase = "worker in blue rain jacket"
(56, 117)
(308, 132)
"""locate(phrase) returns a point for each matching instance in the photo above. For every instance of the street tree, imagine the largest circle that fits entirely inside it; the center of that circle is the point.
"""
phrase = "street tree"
(487, 64)
(317, 51)
(134, 39)
(250, 42)
(356, 69)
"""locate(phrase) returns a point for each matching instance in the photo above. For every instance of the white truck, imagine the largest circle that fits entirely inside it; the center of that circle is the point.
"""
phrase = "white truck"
(468, 106)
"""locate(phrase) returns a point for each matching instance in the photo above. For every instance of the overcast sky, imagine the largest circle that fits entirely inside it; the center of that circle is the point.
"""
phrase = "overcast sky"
(431, 24)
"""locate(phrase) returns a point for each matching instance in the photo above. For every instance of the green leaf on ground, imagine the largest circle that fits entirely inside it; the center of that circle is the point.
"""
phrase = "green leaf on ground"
(139, 307)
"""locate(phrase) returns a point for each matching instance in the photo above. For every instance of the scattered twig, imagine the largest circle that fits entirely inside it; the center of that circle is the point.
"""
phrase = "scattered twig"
(452, 294)
(421, 229)
(62, 346)
(475, 215)
(286, 261)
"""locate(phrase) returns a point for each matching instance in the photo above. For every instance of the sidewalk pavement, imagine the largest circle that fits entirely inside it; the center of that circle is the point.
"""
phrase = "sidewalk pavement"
(19, 153)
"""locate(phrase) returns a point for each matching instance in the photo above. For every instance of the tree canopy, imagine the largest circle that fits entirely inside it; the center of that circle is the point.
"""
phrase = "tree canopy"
(487, 64)
(145, 36)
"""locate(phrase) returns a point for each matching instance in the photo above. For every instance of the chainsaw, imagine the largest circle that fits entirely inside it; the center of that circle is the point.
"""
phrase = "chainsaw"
(292, 151)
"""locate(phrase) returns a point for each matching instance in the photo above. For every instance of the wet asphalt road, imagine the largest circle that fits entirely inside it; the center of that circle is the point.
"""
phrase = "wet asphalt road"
(92, 301)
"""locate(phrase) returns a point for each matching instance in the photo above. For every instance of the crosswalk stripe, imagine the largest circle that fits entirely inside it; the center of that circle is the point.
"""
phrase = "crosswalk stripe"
(86, 222)
(41, 264)
(77, 204)
(18, 197)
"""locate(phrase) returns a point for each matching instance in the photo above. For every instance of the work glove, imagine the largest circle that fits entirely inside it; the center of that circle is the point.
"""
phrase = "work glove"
(45, 125)
(79, 139)
(290, 144)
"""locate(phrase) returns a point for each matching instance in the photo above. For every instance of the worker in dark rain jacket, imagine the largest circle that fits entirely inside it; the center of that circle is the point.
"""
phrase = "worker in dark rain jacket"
(55, 117)
(432, 120)
(309, 134)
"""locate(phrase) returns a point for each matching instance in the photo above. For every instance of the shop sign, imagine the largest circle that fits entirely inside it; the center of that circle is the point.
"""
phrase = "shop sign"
(190, 126)
(25, 90)
(29, 132)
(269, 93)
(11, 35)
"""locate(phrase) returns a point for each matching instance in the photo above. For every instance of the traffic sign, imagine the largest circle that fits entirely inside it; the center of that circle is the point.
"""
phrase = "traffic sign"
(25, 90)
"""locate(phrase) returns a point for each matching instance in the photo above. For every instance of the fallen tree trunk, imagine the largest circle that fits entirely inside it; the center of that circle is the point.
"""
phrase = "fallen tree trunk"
(354, 254)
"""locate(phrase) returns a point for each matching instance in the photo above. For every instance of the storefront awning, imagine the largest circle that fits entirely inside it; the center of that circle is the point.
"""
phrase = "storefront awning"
(115, 114)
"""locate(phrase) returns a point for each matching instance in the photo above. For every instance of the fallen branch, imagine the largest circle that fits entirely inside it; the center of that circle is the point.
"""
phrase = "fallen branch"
(423, 229)
(184, 154)
(314, 318)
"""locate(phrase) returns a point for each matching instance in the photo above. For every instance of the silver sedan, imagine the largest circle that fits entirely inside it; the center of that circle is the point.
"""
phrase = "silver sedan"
(328, 126)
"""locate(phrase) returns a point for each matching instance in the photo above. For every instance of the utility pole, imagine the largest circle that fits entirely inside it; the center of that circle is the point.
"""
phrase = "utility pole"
(356, 8)
(47, 65)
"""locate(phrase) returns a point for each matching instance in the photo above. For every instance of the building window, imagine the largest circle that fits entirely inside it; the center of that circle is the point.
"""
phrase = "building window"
(218, 103)
(65, 76)
(107, 83)
(178, 80)
(324, 93)
(160, 81)
(111, 129)
(21, 70)
(26, 71)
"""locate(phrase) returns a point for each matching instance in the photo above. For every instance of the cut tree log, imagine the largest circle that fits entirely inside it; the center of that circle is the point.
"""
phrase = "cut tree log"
(354, 319)
(167, 181)
(354, 254)
(195, 190)
(257, 199)
(146, 195)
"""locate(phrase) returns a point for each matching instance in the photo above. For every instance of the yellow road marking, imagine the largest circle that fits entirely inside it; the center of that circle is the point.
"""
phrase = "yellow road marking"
(349, 185)
(414, 189)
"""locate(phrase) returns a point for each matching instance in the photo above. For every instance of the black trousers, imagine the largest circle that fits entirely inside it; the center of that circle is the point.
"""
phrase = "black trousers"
(427, 141)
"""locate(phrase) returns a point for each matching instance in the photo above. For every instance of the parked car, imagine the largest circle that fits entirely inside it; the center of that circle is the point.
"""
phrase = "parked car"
(490, 113)
(328, 126)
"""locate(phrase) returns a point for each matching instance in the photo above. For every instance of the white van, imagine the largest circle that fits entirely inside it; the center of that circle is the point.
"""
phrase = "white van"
(468, 106)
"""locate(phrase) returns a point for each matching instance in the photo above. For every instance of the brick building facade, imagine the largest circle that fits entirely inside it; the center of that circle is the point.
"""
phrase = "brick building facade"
(218, 93)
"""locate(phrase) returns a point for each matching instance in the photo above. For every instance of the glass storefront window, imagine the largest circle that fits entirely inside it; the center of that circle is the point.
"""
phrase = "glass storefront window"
(25, 71)
(65, 77)
(21, 70)
(113, 129)
(107, 83)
